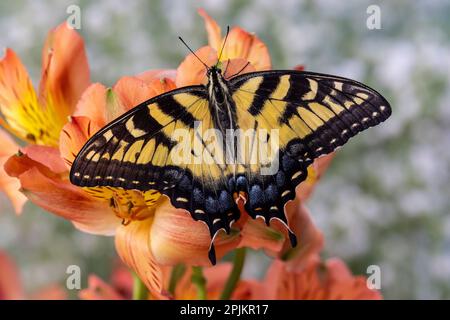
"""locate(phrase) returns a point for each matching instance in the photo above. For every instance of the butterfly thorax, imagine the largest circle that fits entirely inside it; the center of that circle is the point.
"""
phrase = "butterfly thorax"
(221, 103)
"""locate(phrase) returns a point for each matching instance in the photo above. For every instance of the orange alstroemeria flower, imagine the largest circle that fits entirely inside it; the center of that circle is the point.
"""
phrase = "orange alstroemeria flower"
(11, 285)
(150, 238)
(38, 116)
(160, 234)
(304, 277)
(315, 280)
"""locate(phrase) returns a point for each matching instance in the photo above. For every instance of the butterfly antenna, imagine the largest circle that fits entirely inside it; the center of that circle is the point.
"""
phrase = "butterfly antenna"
(223, 45)
(181, 39)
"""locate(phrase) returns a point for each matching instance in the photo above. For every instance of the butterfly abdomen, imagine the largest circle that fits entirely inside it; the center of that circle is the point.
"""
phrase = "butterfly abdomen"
(221, 104)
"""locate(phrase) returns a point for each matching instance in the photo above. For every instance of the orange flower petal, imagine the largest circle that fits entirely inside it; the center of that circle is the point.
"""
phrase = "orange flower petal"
(176, 238)
(244, 45)
(235, 67)
(133, 91)
(315, 281)
(213, 30)
(48, 156)
(239, 45)
(73, 137)
(343, 285)
(99, 290)
(216, 276)
(122, 280)
(52, 292)
(191, 71)
(133, 246)
(54, 193)
(257, 235)
(69, 202)
(10, 284)
(92, 105)
(149, 76)
(310, 239)
(65, 73)
(274, 239)
(248, 290)
(281, 284)
(9, 185)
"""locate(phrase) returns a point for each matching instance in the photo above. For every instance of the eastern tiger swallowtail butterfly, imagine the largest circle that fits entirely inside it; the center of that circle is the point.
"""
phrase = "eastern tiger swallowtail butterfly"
(312, 113)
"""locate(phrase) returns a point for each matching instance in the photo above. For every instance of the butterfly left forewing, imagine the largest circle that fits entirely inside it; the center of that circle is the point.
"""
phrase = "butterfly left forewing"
(129, 152)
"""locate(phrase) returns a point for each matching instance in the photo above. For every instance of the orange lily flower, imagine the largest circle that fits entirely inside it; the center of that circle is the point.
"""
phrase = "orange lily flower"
(38, 117)
(149, 232)
(11, 286)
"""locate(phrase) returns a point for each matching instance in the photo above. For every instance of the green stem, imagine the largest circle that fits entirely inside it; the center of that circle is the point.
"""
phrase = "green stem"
(177, 272)
(140, 291)
(200, 282)
(235, 275)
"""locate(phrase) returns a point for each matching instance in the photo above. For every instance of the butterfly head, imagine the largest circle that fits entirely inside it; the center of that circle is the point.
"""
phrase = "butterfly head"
(213, 71)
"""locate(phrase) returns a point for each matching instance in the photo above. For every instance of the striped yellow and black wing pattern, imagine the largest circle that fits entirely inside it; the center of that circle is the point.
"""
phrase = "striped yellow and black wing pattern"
(313, 113)
(137, 151)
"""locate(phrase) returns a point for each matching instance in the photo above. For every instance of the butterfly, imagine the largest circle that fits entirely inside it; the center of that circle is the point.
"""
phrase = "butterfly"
(304, 115)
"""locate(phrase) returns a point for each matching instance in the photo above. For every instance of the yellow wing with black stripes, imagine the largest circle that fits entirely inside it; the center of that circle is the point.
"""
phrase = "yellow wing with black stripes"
(303, 115)
(145, 149)
(312, 114)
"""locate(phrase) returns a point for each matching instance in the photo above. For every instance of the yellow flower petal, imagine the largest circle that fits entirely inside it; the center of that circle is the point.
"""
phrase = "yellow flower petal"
(19, 103)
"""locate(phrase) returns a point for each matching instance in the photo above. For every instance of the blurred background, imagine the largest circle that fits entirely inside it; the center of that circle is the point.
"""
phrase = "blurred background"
(385, 199)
